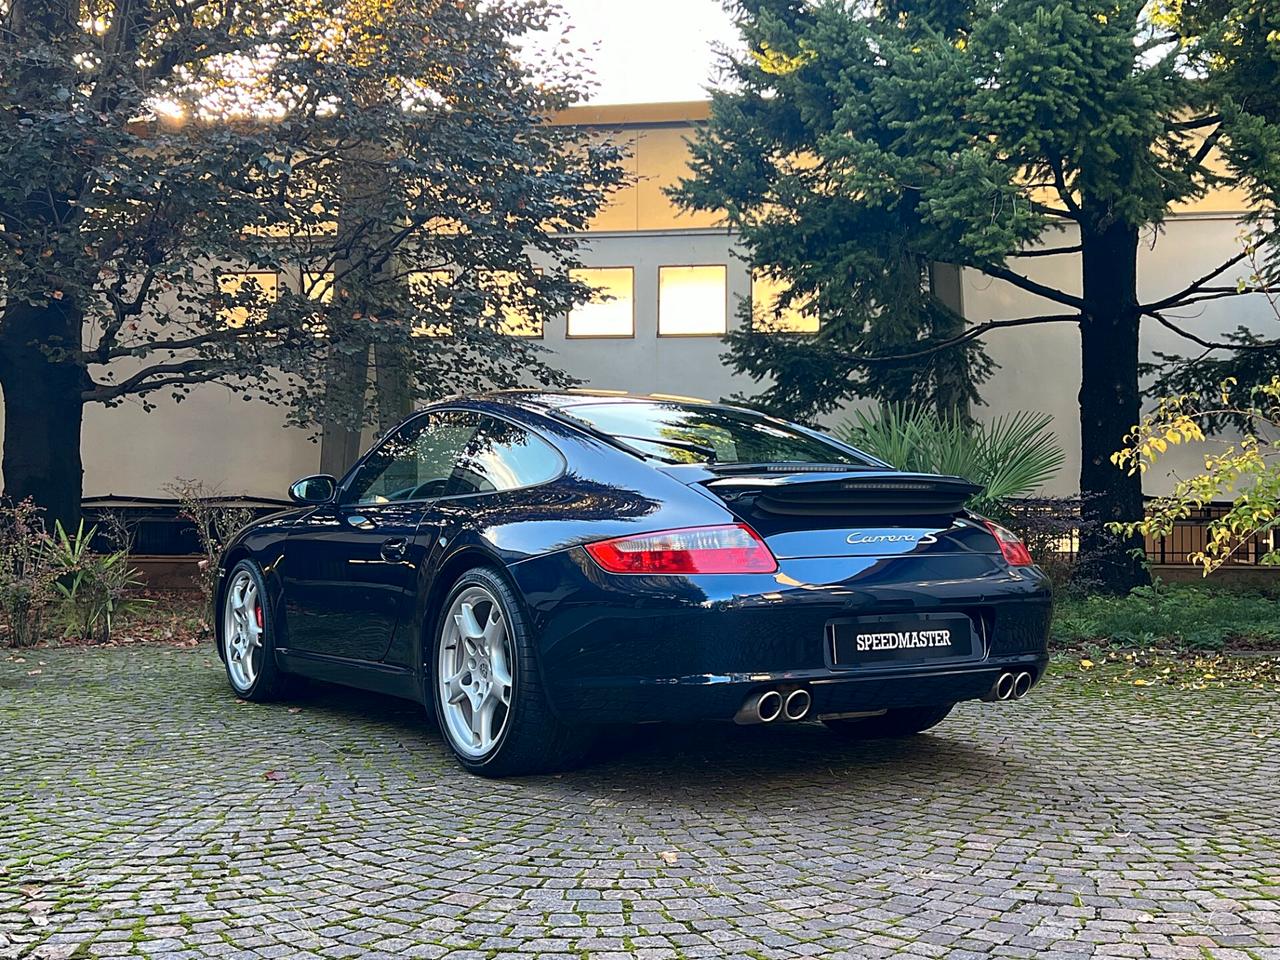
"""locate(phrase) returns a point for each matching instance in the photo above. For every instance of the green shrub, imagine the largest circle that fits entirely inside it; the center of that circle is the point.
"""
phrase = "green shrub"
(94, 587)
(1194, 616)
(216, 521)
(1011, 456)
(26, 573)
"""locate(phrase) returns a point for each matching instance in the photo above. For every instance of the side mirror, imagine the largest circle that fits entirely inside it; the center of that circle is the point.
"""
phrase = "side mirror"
(314, 490)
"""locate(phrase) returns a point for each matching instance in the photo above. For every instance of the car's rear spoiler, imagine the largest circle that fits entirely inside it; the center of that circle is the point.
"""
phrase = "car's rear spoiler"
(855, 493)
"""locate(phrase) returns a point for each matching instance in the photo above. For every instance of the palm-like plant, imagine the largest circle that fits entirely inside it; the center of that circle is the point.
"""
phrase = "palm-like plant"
(94, 587)
(1011, 456)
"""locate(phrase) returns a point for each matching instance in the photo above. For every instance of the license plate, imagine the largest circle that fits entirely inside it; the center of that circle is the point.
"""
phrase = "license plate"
(901, 639)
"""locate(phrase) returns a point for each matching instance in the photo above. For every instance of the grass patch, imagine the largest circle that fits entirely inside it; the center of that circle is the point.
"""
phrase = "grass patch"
(1153, 667)
(1179, 615)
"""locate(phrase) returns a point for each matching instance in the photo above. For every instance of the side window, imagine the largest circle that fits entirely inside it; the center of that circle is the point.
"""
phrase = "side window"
(503, 456)
(415, 462)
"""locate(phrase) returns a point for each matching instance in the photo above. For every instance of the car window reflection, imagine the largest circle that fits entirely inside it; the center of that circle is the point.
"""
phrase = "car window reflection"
(453, 453)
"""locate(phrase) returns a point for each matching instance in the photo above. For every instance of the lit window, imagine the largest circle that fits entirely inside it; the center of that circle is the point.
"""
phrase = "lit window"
(318, 286)
(516, 320)
(799, 316)
(432, 288)
(611, 310)
(693, 301)
(259, 286)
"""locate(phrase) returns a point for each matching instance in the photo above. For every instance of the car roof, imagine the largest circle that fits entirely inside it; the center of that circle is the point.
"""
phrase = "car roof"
(558, 399)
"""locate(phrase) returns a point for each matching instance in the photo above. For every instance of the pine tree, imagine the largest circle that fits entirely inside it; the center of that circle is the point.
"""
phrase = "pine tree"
(856, 144)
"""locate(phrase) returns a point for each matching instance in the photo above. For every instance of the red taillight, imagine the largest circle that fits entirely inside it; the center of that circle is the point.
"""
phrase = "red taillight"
(1013, 550)
(732, 548)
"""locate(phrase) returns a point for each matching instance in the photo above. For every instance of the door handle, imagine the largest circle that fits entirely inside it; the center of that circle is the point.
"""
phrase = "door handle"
(394, 549)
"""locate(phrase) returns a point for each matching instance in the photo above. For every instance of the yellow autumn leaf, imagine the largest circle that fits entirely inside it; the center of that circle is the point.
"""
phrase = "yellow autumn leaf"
(1086, 664)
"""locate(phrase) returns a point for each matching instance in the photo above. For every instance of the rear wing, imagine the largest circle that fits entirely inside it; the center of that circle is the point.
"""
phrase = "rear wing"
(855, 494)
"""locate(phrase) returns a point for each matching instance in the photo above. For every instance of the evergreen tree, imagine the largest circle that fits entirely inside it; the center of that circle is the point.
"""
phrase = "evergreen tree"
(857, 143)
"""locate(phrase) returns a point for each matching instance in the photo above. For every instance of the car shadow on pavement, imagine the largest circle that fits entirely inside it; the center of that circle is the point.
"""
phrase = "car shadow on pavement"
(690, 763)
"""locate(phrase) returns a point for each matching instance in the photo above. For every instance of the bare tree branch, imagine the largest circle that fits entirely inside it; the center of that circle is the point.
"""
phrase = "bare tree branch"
(1053, 211)
(1049, 251)
(1209, 344)
(1215, 293)
(1210, 142)
(158, 375)
(1031, 286)
(1177, 298)
(1198, 123)
(972, 333)
(1060, 184)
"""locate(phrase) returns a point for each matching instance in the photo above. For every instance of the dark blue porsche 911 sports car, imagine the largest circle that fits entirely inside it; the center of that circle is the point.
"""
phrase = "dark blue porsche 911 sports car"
(534, 566)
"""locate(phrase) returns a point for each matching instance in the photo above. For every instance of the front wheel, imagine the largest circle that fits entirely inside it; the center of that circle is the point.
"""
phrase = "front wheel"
(903, 722)
(247, 636)
(488, 695)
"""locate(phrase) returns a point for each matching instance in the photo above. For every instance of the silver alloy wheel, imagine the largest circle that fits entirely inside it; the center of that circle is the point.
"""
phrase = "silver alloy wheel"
(474, 672)
(242, 628)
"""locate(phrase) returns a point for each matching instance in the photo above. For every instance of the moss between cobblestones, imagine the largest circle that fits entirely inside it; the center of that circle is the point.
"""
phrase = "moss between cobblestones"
(134, 794)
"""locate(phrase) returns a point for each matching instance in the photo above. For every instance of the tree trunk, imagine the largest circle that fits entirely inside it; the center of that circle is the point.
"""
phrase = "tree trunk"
(43, 408)
(394, 371)
(953, 379)
(340, 425)
(1109, 406)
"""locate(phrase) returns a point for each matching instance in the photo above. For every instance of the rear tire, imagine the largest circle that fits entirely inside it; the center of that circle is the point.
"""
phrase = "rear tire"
(904, 722)
(483, 673)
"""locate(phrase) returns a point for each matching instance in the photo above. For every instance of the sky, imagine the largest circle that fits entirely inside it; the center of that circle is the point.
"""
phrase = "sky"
(649, 50)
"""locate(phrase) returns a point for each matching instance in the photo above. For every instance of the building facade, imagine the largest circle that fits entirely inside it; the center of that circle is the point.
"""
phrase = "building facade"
(676, 281)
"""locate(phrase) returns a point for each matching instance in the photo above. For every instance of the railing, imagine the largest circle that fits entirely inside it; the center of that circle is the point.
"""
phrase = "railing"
(156, 525)
(1054, 526)
(1051, 525)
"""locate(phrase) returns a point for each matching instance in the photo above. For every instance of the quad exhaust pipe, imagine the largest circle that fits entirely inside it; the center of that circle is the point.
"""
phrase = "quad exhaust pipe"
(769, 706)
(766, 706)
(797, 704)
(1010, 686)
(794, 703)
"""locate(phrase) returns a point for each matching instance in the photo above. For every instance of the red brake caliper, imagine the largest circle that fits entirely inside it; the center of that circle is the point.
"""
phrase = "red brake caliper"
(257, 615)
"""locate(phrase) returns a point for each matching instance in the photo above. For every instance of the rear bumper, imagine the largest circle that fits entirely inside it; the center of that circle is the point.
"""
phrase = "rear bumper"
(677, 699)
(618, 649)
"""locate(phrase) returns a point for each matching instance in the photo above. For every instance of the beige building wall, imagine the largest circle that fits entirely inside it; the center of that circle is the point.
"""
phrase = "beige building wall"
(1040, 366)
(245, 448)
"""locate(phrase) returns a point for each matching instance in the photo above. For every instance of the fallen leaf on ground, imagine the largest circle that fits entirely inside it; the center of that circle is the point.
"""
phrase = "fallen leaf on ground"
(274, 775)
(669, 857)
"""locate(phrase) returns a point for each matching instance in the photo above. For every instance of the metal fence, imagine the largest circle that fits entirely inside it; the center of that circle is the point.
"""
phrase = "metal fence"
(1053, 526)
(1190, 537)
(1049, 525)
(156, 525)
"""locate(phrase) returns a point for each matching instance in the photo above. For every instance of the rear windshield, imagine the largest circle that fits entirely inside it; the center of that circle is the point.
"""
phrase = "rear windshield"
(687, 433)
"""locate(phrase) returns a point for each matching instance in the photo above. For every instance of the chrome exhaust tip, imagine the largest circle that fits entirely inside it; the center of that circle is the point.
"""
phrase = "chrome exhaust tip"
(769, 706)
(797, 704)
(763, 706)
(1004, 686)
(1021, 685)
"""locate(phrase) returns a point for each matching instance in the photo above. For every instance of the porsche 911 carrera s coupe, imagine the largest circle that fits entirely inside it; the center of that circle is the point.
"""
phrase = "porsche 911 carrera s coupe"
(534, 566)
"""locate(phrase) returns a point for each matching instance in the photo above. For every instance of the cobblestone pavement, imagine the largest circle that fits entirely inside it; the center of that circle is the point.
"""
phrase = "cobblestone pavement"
(143, 811)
